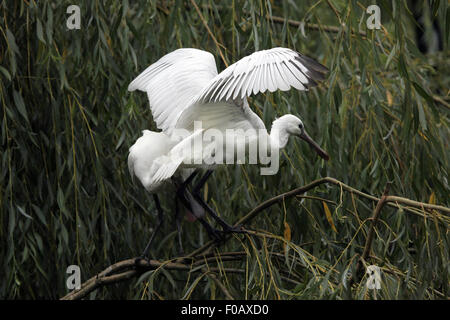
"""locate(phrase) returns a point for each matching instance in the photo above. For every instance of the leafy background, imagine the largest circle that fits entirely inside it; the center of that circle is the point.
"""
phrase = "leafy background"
(67, 121)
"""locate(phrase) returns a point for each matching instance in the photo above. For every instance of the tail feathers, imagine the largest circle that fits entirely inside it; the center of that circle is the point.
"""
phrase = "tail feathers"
(165, 168)
(131, 166)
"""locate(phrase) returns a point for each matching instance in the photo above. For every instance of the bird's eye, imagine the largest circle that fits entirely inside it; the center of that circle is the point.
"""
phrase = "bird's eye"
(300, 126)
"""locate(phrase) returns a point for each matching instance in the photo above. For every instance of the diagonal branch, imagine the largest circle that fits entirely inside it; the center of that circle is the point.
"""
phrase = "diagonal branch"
(392, 201)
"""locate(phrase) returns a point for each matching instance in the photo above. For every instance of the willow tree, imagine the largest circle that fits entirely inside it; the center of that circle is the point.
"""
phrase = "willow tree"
(67, 121)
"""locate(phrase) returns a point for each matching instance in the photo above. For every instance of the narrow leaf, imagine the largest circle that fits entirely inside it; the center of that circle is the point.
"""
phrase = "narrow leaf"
(328, 215)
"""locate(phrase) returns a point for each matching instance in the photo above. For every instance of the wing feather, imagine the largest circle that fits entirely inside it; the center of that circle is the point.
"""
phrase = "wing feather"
(173, 81)
(273, 69)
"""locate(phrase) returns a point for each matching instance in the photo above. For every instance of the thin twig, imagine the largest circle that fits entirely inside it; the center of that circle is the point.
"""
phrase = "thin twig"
(220, 285)
(441, 101)
(371, 233)
(218, 45)
(311, 26)
(334, 10)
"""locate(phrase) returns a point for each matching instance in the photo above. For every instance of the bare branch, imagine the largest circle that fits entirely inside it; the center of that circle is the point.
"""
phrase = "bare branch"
(374, 218)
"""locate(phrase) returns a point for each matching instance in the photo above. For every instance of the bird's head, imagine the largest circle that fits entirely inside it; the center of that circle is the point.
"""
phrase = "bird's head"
(295, 127)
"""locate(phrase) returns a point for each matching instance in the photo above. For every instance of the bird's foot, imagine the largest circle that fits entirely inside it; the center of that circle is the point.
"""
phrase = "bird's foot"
(216, 235)
(144, 256)
(234, 229)
(221, 235)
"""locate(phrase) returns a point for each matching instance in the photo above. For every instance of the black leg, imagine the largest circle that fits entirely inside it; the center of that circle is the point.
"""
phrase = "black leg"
(213, 233)
(226, 227)
(160, 222)
(223, 223)
(186, 201)
(202, 181)
(190, 178)
(178, 222)
(181, 194)
(181, 186)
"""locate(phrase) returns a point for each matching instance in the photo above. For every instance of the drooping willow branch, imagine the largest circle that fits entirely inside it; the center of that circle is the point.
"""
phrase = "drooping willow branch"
(132, 268)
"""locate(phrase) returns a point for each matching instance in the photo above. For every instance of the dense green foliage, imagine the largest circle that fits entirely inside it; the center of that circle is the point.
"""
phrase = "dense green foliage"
(67, 121)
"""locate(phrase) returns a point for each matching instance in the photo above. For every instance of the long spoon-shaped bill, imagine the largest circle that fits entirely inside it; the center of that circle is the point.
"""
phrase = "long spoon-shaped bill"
(322, 153)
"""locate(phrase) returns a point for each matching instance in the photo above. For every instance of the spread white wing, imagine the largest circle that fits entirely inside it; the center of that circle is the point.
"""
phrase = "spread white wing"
(173, 81)
(273, 69)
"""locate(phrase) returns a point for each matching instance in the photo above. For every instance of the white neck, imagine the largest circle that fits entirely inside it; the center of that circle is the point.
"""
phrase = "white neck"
(278, 135)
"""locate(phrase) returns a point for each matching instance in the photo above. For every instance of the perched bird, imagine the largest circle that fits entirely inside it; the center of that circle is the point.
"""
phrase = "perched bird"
(184, 89)
(143, 159)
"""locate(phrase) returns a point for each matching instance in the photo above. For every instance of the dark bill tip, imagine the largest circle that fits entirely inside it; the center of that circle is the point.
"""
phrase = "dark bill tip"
(322, 153)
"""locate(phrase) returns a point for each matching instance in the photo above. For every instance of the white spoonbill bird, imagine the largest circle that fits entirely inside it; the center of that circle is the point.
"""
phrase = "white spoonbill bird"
(184, 87)
(143, 159)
